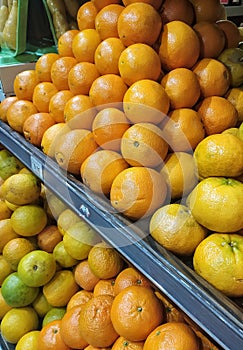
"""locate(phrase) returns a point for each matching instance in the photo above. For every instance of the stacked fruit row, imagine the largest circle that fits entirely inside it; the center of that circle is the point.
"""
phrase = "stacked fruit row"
(62, 286)
(143, 104)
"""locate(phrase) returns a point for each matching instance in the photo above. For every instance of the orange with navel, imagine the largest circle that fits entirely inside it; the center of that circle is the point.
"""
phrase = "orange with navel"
(64, 43)
(172, 312)
(4, 106)
(180, 46)
(217, 114)
(106, 21)
(143, 145)
(130, 276)
(174, 335)
(213, 77)
(57, 104)
(107, 55)
(100, 168)
(81, 77)
(43, 65)
(86, 16)
(35, 126)
(50, 337)
(107, 90)
(144, 27)
(122, 343)
(182, 87)
(231, 32)
(95, 323)
(135, 312)
(70, 328)
(73, 148)
(18, 112)
(59, 71)
(84, 45)
(24, 84)
(84, 277)
(212, 39)
(108, 127)
(42, 94)
(139, 61)
(79, 112)
(183, 129)
(177, 10)
(134, 192)
(146, 101)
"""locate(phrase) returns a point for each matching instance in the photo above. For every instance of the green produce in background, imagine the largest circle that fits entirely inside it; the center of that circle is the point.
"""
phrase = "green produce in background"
(9, 164)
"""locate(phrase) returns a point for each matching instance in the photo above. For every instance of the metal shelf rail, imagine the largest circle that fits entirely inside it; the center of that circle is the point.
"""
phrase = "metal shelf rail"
(217, 315)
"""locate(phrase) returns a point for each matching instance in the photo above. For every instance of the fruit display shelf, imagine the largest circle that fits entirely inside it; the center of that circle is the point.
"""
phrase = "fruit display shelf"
(220, 317)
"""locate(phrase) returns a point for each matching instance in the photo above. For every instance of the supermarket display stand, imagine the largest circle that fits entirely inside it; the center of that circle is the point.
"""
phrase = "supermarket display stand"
(220, 317)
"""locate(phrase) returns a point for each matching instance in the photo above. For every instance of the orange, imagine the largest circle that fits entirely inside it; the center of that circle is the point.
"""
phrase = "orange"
(183, 129)
(139, 23)
(107, 55)
(90, 347)
(50, 137)
(139, 61)
(180, 172)
(134, 192)
(155, 3)
(61, 288)
(217, 114)
(86, 16)
(106, 21)
(146, 101)
(95, 324)
(182, 87)
(81, 77)
(104, 261)
(50, 337)
(122, 343)
(79, 298)
(24, 84)
(4, 106)
(64, 43)
(180, 46)
(104, 286)
(107, 89)
(59, 71)
(108, 127)
(99, 4)
(143, 145)
(84, 45)
(5, 211)
(231, 32)
(174, 227)
(135, 312)
(177, 10)
(174, 335)
(43, 66)
(212, 39)
(15, 249)
(73, 148)
(235, 96)
(7, 233)
(213, 77)
(84, 277)
(214, 256)
(173, 314)
(130, 276)
(35, 126)
(57, 104)
(18, 112)
(208, 10)
(42, 94)
(69, 329)
(79, 112)
(48, 238)
(100, 168)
